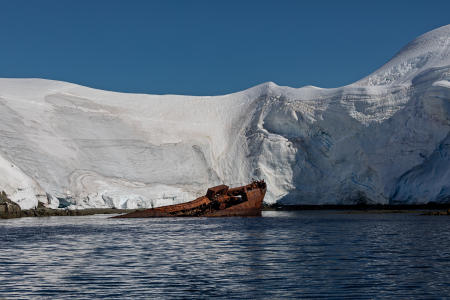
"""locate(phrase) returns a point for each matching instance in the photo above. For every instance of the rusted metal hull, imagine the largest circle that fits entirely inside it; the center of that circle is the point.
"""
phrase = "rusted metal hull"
(219, 201)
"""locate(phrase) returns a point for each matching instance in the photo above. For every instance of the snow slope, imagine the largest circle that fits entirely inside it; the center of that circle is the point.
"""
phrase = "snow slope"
(383, 139)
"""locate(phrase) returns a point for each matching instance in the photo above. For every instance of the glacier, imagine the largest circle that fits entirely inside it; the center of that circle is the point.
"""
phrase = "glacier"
(383, 139)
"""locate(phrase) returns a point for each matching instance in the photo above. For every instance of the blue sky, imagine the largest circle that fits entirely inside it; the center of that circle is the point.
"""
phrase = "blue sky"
(207, 47)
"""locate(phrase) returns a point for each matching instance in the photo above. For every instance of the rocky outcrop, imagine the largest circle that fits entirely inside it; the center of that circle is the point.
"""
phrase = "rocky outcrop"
(8, 208)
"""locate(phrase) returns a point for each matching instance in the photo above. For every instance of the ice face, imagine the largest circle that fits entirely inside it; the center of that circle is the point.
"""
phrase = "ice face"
(383, 139)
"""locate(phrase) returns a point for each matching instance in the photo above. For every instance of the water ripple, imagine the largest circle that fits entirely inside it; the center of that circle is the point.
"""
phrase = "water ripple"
(282, 255)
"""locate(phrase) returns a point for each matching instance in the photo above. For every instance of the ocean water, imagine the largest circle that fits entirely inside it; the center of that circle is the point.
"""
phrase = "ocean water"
(325, 254)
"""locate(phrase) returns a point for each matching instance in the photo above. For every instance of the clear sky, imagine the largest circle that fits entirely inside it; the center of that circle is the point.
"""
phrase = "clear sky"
(207, 47)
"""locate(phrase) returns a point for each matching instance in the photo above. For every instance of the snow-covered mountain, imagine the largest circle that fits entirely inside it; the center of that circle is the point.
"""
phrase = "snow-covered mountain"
(383, 139)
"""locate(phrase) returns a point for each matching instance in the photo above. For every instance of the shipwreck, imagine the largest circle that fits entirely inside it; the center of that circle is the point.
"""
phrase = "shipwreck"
(219, 201)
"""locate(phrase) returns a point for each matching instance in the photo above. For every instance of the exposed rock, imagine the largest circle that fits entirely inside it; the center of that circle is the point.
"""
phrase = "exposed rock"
(8, 208)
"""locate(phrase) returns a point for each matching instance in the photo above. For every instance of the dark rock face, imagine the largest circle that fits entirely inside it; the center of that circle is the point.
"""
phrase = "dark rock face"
(8, 208)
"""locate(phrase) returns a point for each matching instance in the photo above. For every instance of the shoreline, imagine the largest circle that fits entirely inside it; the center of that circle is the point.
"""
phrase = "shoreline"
(381, 207)
(424, 209)
(49, 212)
(434, 209)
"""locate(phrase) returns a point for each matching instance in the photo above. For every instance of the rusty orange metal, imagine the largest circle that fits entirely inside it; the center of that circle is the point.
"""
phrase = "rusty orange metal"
(219, 201)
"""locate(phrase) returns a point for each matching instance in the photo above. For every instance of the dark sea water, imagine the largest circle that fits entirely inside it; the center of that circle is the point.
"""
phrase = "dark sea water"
(280, 255)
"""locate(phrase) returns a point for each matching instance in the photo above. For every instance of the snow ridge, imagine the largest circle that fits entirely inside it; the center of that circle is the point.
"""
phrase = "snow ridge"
(383, 139)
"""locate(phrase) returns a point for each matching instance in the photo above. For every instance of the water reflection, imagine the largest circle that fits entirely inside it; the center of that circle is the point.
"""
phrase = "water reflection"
(283, 254)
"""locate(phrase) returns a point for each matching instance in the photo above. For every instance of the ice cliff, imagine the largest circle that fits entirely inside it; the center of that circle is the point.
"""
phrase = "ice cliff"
(383, 139)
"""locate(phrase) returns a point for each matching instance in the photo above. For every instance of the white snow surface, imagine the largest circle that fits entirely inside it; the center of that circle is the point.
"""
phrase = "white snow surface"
(384, 139)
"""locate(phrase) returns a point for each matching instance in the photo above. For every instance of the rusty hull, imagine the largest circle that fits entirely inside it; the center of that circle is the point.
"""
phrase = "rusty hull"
(219, 201)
